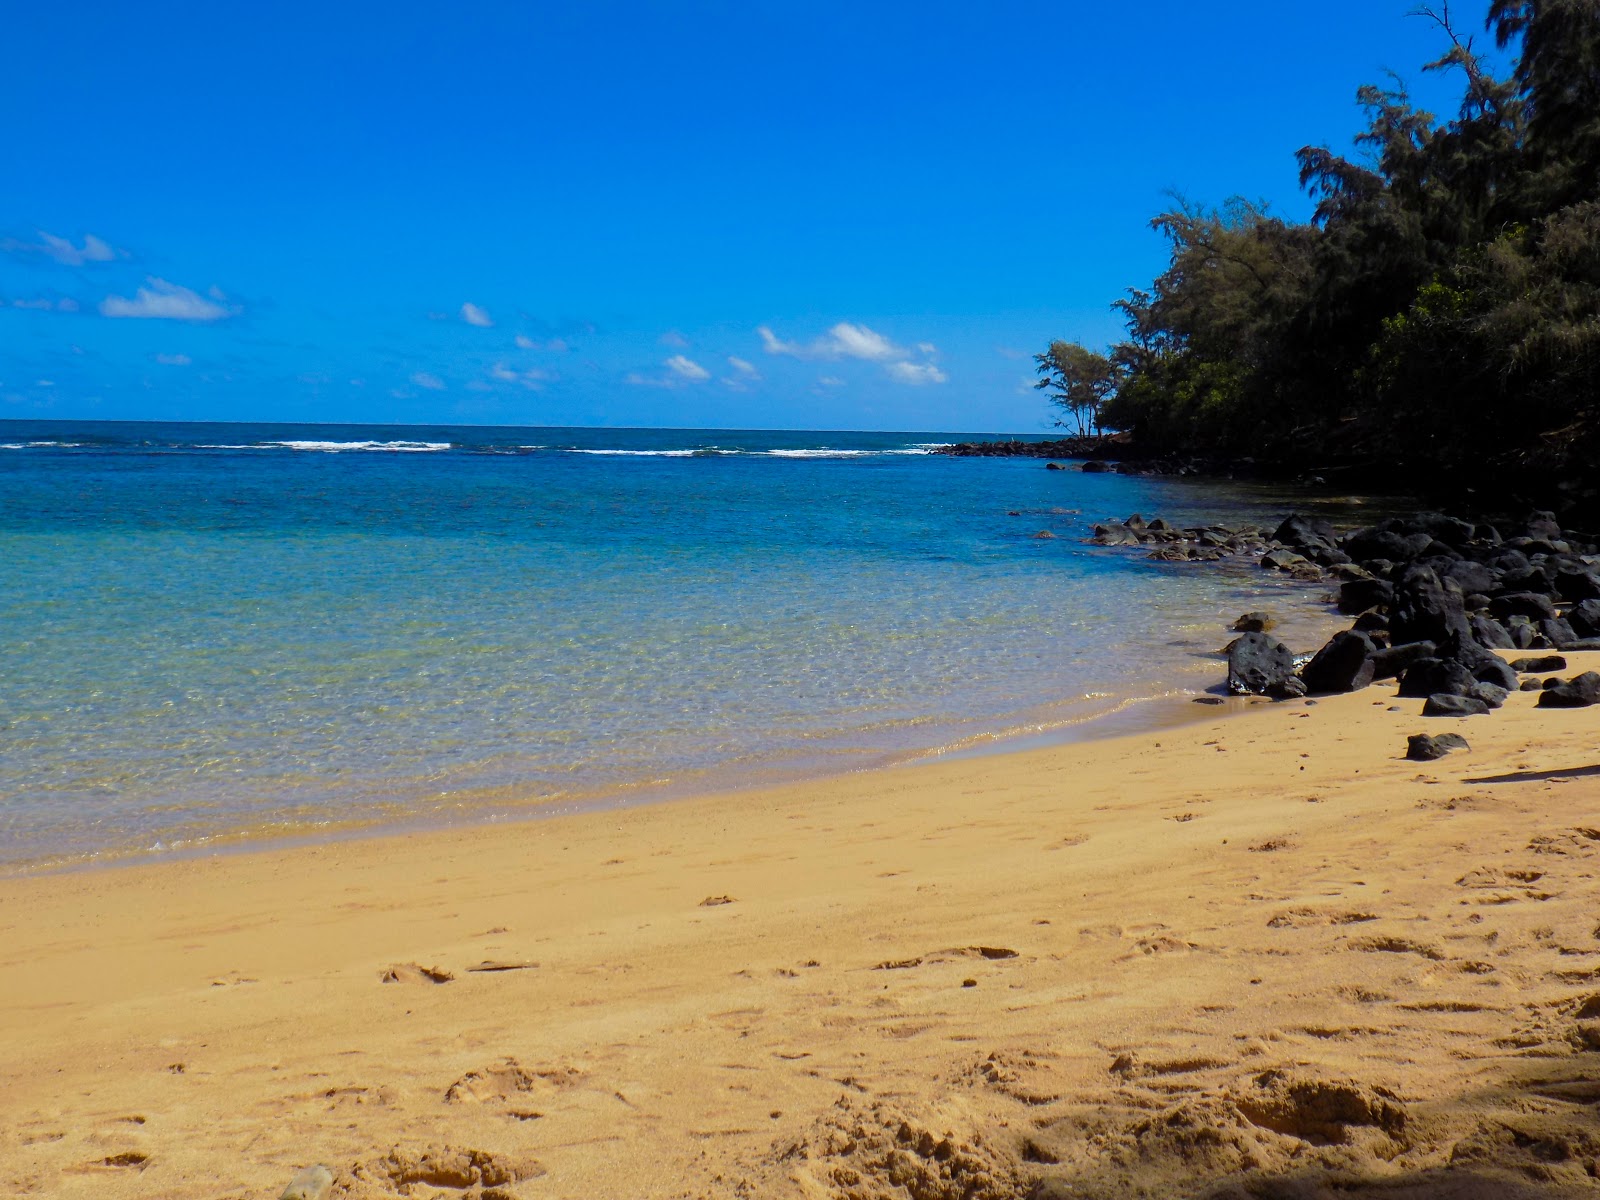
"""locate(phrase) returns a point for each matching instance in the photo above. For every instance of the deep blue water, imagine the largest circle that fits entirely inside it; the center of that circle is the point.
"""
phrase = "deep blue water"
(244, 629)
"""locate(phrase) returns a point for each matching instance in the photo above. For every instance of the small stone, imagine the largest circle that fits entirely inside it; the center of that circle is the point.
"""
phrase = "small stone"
(969, 983)
(1044, 533)
(1255, 622)
(1423, 747)
(1444, 705)
(309, 1183)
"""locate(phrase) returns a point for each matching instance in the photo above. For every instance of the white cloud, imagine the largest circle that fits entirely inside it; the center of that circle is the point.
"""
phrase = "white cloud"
(743, 367)
(62, 250)
(473, 315)
(674, 339)
(67, 304)
(927, 348)
(424, 379)
(688, 368)
(524, 342)
(174, 360)
(164, 301)
(830, 381)
(634, 379)
(532, 379)
(844, 340)
(915, 374)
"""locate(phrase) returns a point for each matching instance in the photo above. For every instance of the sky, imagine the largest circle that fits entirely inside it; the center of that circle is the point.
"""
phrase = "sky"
(734, 215)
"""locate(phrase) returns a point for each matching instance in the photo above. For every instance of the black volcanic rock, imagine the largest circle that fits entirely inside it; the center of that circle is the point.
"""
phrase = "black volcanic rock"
(1454, 706)
(1343, 665)
(1257, 663)
(1424, 747)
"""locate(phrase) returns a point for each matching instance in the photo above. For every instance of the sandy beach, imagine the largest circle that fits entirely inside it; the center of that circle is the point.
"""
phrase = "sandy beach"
(1256, 954)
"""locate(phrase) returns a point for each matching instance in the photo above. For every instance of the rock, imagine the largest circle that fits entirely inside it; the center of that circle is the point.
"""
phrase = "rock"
(1427, 610)
(1579, 692)
(1481, 664)
(1044, 534)
(1343, 665)
(309, 1183)
(1540, 666)
(1282, 560)
(1542, 525)
(1054, 466)
(1301, 531)
(1432, 676)
(1055, 1187)
(1471, 576)
(1364, 545)
(1255, 622)
(1095, 467)
(1391, 663)
(1491, 694)
(1577, 583)
(1358, 595)
(1257, 662)
(1585, 618)
(1523, 634)
(1372, 621)
(1530, 685)
(1455, 706)
(1557, 632)
(1292, 688)
(1486, 631)
(1533, 605)
(1582, 644)
(1115, 533)
(1424, 747)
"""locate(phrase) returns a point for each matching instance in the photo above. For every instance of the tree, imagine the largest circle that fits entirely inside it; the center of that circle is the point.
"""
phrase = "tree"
(1079, 382)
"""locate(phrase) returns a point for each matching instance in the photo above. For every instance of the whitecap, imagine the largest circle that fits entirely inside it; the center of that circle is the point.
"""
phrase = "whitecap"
(337, 447)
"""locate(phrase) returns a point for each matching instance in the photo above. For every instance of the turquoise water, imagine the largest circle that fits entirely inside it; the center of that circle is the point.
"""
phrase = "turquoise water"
(219, 630)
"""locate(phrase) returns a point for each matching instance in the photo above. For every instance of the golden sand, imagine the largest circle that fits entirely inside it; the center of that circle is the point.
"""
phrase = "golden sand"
(1256, 947)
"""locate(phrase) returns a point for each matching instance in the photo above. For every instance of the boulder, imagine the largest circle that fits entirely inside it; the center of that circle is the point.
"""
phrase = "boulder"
(1529, 685)
(1455, 706)
(1435, 676)
(1585, 618)
(1424, 747)
(1343, 665)
(1523, 634)
(1491, 694)
(1282, 560)
(1391, 663)
(1533, 605)
(1471, 576)
(1358, 595)
(1114, 533)
(1481, 664)
(1255, 622)
(1095, 467)
(1486, 631)
(1427, 610)
(1557, 632)
(1539, 666)
(1303, 532)
(1542, 524)
(1257, 662)
(1374, 620)
(1054, 466)
(1579, 692)
(1364, 545)
(1292, 688)
(1575, 582)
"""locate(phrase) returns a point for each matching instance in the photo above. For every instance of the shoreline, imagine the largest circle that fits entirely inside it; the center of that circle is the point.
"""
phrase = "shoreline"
(754, 993)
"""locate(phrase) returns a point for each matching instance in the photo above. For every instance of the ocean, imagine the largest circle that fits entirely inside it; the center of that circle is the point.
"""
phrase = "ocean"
(215, 633)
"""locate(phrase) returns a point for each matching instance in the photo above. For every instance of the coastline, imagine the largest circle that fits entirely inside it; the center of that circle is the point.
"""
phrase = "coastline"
(1162, 920)
(1191, 675)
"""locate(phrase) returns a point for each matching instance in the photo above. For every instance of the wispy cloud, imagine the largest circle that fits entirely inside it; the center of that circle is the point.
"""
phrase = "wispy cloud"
(849, 340)
(473, 315)
(830, 381)
(844, 340)
(688, 368)
(533, 379)
(425, 379)
(743, 366)
(173, 360)
(62, 250)
(556, 345)
(43, 304)
(916, 374)
(166, 301)
(674, 339)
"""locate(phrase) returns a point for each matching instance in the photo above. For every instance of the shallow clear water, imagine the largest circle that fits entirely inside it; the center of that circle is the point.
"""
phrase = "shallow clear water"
(212, 629)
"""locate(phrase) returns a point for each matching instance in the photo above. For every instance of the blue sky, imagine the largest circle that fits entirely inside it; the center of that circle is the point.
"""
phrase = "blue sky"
(697, 214)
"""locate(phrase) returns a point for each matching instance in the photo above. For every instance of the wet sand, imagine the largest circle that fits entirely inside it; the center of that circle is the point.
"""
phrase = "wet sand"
(1258, 947)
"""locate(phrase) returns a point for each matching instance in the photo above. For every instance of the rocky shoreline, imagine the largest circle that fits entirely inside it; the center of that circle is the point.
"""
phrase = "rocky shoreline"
(1433, 597)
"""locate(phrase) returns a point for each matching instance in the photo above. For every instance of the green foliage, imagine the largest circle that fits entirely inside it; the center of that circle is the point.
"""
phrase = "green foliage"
(1442, 305)
(1078, 380)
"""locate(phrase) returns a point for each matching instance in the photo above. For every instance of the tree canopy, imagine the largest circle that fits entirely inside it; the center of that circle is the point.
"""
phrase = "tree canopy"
(1441, 307)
